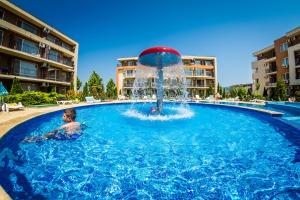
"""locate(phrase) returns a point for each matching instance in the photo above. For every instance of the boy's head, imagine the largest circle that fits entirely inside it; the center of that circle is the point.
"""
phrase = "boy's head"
(69, 115)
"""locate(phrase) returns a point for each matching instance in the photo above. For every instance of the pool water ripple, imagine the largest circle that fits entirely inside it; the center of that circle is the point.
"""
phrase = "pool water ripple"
(218, 153)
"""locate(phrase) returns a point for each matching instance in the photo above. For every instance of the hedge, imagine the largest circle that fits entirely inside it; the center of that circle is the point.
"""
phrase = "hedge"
(34, 98)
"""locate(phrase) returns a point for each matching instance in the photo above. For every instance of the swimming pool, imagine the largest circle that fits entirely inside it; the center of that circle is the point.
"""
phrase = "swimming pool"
(216, 153)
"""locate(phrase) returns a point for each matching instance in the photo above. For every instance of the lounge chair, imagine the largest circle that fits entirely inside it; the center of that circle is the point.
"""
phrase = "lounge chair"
(153, 96)
(197, 97)
(121, 97)
(64, 102)
(12, 106)
(211, 98)
(257, 101)
(92, 100)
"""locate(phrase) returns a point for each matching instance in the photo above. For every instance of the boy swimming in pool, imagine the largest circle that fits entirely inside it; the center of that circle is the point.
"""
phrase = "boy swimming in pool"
(71, 130)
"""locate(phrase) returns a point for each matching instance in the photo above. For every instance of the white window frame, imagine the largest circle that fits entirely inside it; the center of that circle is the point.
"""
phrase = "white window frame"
(283, 47)
(285, 76)
(285, 62)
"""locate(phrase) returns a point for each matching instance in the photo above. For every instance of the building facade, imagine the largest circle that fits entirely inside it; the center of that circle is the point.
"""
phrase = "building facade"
(39, 56)
(281, 60)
(200, 73)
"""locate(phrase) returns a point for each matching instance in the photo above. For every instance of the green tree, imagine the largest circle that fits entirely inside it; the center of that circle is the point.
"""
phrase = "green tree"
(257, 86)
(280, 90)
(85, 91)
(79, 83)
(233, 91)
(16, 87)
(242, 92)
(111, 90)
(265, 93)
(95, 86)
(224, 92)
(210, 90)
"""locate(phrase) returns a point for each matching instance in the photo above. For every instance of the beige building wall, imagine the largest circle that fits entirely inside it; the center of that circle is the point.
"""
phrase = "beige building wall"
(9, 26)
(258, 74)
(292, 64)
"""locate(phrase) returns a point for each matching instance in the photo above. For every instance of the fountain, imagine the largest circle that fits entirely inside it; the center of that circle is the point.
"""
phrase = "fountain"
(159, 58)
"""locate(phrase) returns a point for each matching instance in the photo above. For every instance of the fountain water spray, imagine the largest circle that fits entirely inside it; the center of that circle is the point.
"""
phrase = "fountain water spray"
(159, 58)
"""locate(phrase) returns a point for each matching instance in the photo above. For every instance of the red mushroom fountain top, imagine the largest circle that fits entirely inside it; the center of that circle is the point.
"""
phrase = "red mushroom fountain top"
(159, 57)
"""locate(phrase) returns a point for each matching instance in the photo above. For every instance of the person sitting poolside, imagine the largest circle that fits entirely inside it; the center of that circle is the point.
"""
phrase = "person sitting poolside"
(71, 130)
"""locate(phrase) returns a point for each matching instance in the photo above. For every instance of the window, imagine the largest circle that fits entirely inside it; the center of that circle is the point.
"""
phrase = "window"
(29, 27)
(67, 61)
(199, 72)
(297, 73)
(131, 63)
(188, 82)
(29, 87)
(1, 13)
(24, 68)
(67, 46)
(1, 37)
(297, 58)
(130, 73)
(208, 73)
(188, 72)
(27, 46)
(283, 47)
(53, 55)
(52, 74)
(197, 62)
(285, 62)
(63, 76)
(285, 76)
(200, 83)
(208, 62)
(53, 39)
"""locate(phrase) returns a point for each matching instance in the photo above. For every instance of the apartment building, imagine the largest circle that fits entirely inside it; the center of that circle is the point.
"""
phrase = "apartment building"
(281, 60)
(200, 72)
(38, 55)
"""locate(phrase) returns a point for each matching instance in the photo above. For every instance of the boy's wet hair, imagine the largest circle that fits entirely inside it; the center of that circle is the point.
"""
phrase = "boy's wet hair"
(70, 112)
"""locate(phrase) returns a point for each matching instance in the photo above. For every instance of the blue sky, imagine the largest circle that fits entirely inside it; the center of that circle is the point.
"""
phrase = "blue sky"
(108, 29)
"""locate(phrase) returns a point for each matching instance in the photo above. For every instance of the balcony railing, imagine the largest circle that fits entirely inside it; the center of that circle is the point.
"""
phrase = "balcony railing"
(271, 84)
(294, 42)
(196, 85)
(271, 69)
(28, 49)
(128, 85)
(129, 75)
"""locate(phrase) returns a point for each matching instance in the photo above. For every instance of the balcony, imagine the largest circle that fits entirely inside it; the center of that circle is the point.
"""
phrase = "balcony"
(128, 85)
(271, 84)
(28, 49)
(272, 69)
(132, 75)
(37, 78)
(25, 33)
(294, 41)
(194, 85)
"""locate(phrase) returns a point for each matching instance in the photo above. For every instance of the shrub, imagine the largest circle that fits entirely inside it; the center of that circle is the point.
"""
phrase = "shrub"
(34, 98)
(72, 95)
(297, 95)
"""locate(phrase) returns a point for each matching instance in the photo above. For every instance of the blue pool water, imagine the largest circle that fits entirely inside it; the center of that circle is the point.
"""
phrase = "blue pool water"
(290, 111)
(213, 153)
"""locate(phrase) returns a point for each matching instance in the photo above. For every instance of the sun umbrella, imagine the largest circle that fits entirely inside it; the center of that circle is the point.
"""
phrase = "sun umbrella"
(3, 91)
